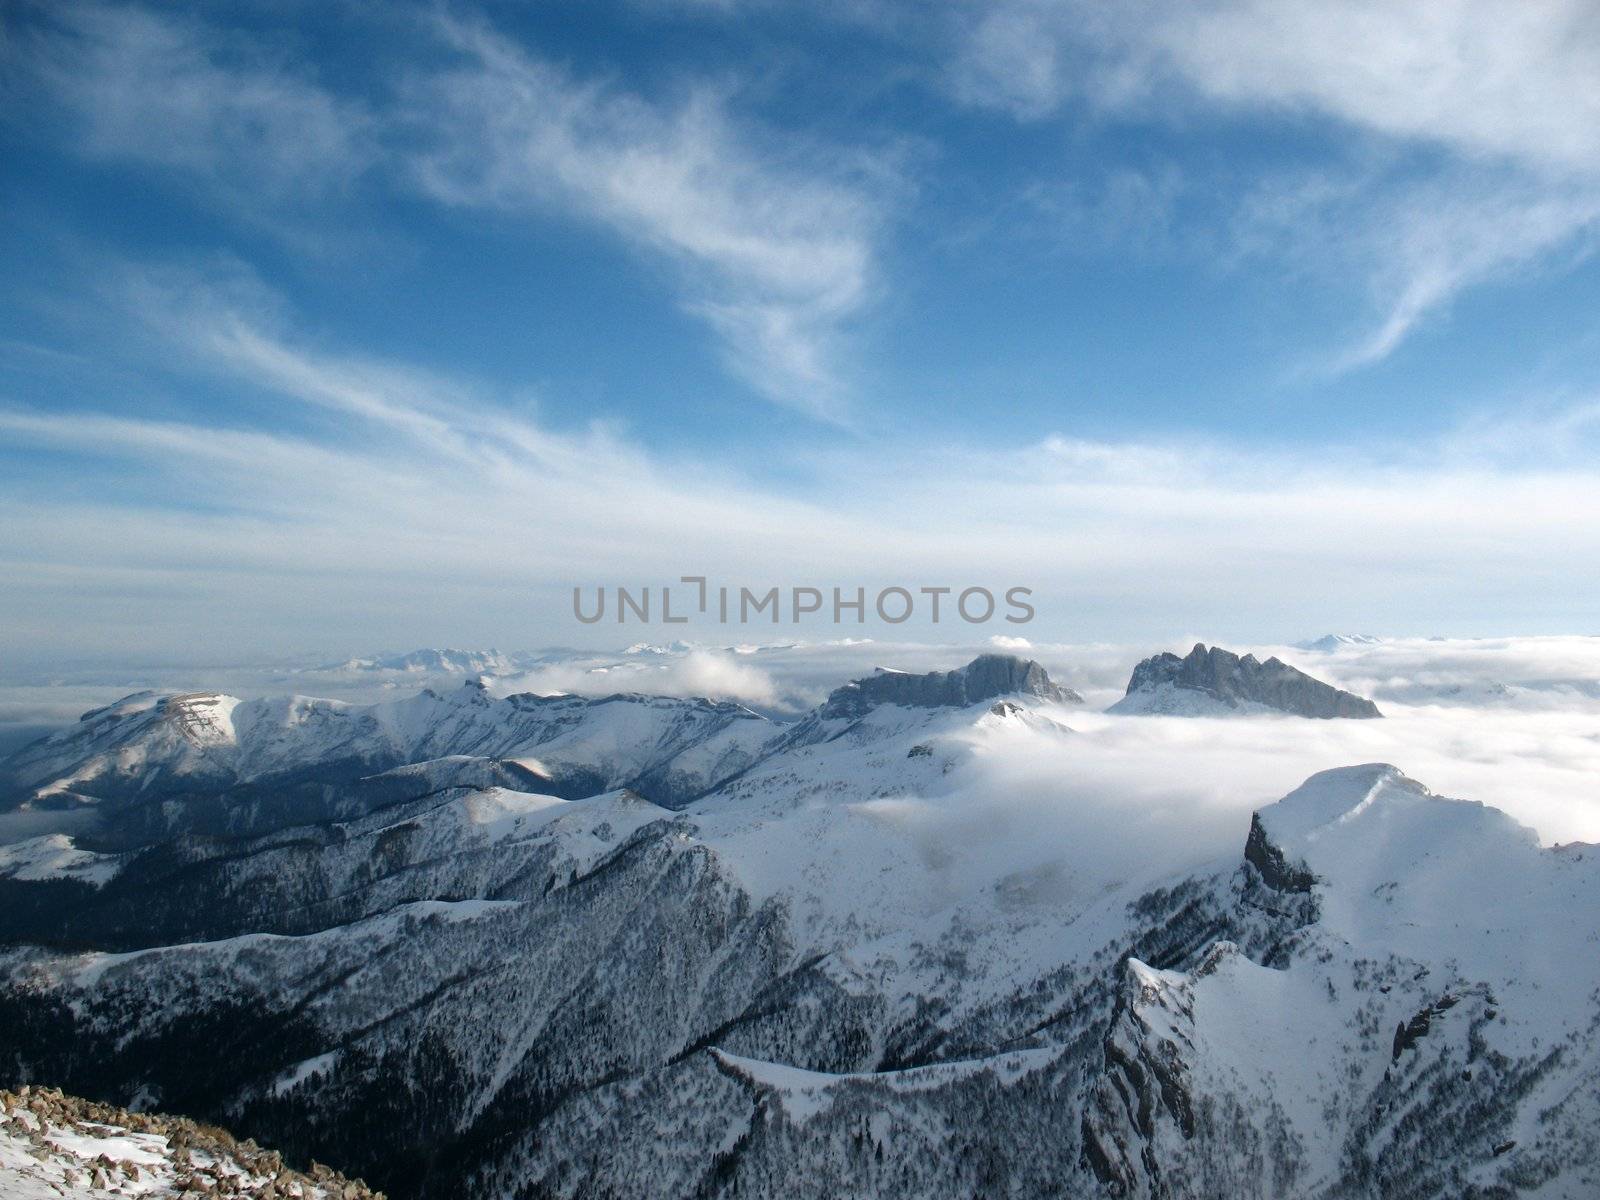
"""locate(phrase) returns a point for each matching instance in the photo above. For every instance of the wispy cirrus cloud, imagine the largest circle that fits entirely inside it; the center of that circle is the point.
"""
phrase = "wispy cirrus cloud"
(1502, 99)
(1417, 241)
(233, 114)
(434, 513)
(773, 242)
(1468, 75)
(770, 238)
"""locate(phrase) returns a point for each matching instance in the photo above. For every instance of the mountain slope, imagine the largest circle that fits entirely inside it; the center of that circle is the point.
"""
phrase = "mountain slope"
(809, 982)
(128, 760)
(1434, 1032)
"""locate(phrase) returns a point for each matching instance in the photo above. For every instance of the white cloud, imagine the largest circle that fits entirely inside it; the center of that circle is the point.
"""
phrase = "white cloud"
(1134, 797)
(1016, 645)
(232, 114)
(1470, 75)
(770, 236)
(1503, 97)
(432, 512)
(773, 240)
(1418, 242)
(1139, 794)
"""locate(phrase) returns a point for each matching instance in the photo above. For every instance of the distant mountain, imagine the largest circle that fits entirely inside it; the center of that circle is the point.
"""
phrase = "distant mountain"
(461, 984)
(1211, 681)
(434, 662)
(216, 763)
(651, 648)
(987, 677)
(1337, 641)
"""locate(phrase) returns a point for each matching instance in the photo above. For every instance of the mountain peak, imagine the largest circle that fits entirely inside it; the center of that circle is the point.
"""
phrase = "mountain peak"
(1334, 795)
(1211, 681)
(1335, 641)
(986, 677)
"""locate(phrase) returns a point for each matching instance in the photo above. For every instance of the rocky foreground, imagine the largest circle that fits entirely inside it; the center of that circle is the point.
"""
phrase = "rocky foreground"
(53, 1144)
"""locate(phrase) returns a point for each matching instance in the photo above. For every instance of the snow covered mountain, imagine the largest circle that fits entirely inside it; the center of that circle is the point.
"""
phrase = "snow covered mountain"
(986, 677)
(1211, 681)
(1339, 641)
(203, 761)
(821, 978)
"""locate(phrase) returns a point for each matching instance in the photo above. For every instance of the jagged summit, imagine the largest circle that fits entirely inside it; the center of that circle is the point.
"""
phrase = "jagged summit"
(1211, 681)
(986, 677)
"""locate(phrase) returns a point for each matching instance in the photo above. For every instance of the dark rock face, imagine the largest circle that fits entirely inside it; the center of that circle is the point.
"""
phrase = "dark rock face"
(1144, 1083)
(984, 678)
(1234, 681)
(1276, 871)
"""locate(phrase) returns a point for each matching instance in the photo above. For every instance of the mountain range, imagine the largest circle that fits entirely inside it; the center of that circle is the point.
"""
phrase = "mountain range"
(462, 945)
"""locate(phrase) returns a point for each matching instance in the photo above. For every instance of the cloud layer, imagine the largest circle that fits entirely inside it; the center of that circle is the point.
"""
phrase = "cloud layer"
(427, 512)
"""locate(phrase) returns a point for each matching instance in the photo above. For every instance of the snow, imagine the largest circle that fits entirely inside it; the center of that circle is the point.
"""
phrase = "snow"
(976, 858)
(312, 1067)
(45, 1159)
(119, 1146)
(500, 814)
(56, 856)
(805, 1095)
(1405, 872)
(1338, 641)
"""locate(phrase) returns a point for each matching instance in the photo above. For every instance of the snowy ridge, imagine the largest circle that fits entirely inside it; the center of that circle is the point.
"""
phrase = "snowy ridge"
(150, 746)
(55, 856)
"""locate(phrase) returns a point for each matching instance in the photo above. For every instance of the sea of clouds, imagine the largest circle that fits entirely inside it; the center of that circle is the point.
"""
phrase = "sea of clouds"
(1511, 722)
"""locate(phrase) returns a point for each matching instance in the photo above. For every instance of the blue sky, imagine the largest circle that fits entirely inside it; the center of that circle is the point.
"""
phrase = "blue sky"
(335, 326)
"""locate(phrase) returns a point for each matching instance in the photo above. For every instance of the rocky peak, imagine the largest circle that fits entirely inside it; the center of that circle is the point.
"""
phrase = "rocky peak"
(987, 677)
(1228, 681)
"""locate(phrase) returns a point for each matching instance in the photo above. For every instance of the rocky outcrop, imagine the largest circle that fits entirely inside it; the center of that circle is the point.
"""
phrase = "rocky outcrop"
(985, 678)
(1273, 866)
(1143, 1092)
(1210, 680)
(57, 1143)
